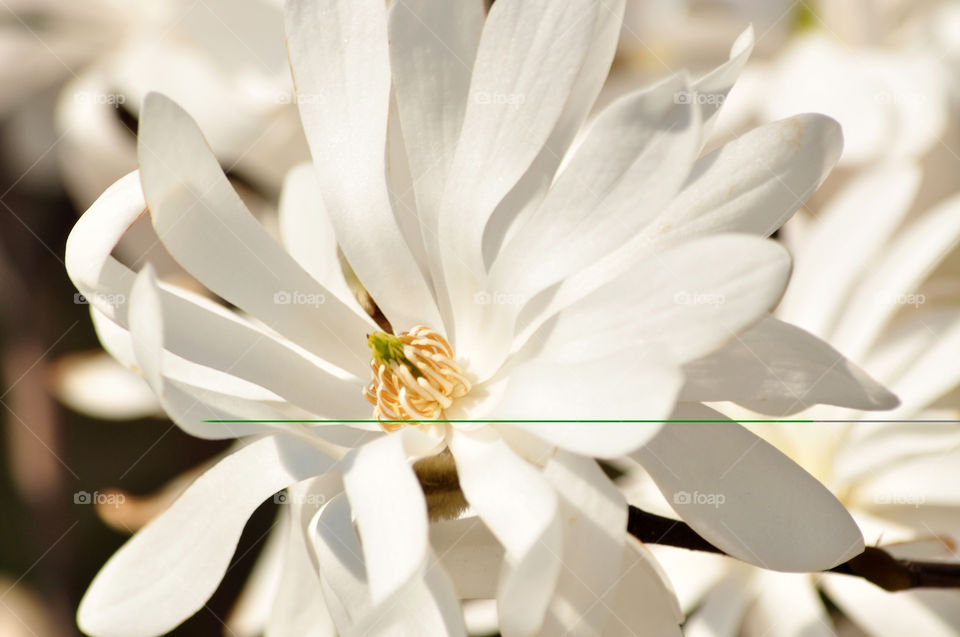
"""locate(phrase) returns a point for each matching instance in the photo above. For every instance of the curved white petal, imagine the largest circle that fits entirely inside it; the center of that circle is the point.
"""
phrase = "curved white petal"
(433, 44)
(906, 264)
(788, 604)
(390, 513)
(423, 607)
(205, 226)
(751, 185)
(621, 387)
(341, 68)
(715, 86)
(308, 234)
(518, 505)
(827, 262)
(643, 602)
(632, 161)
(529, 55)
(746, 497)
(681, 304)
(776, 368)
(195, 328)
(168, 570)
(594, 514)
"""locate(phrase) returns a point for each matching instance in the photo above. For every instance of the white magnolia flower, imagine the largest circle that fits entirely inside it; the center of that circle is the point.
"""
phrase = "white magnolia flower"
(524, 276)
(885, 299)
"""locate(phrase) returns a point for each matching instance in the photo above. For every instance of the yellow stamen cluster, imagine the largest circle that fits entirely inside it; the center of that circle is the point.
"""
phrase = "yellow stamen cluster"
(414, 376)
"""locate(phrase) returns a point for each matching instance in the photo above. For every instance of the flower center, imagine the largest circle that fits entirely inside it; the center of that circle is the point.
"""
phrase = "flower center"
(414, 377)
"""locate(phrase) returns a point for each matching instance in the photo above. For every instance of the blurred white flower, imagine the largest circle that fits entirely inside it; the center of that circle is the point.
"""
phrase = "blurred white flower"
(872, 297)
(525, 275)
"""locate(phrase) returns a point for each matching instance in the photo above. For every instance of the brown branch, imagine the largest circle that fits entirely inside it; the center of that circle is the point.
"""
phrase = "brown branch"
(874, 565)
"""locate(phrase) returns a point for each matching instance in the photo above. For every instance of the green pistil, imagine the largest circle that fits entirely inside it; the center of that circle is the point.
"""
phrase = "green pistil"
(388, 350)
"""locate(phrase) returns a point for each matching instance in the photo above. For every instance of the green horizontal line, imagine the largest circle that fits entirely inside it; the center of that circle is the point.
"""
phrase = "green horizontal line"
(663, 420)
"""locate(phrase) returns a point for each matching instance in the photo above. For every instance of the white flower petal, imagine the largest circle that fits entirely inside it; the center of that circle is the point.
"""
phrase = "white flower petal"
(205, 226)
(308, 234)
(870, 208)
(168, 570)
(299, 607)
(594, 514)
(341, 68)
(193, 408)
(622, 387)
(631, 163)
(721, 611)
(716, 85)
(195, 328)
(524, 198)
(746, 497)
(528, 59)
(906, 264)
(643, 603)
(520, 508)
(432, 47)
(682, 304)
(390, 512)
(423, 607)
(776, 368)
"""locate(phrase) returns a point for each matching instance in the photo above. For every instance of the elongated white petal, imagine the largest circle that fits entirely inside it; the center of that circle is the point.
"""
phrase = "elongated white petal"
(424, 607)
(520, 508)
(746, 497)
(643, 602)
(631, 163)
(528, 59)
(526, 195)
(390, 512)
(195, 329)
(299, 607)
(595, 516)
(906, 264)
(168, 570)
(206, 227)
(716, 85)
(722, 609)
(682, 304)
(870, 208)
(621, 387)
(307, 233)
(432, 47)
(776, 368)
(201, 412)
(341, 68)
